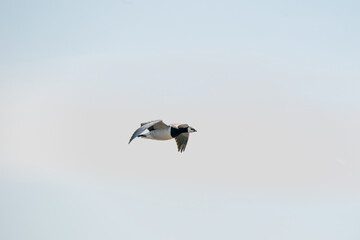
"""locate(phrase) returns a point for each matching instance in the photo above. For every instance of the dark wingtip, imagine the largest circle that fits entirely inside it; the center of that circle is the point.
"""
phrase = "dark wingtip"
(181, 150)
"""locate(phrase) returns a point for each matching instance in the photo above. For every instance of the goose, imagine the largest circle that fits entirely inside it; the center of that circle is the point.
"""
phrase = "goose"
(158, 130)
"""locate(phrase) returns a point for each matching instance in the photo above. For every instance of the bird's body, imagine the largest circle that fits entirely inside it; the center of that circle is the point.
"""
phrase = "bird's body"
(158, 134)
(158, 130)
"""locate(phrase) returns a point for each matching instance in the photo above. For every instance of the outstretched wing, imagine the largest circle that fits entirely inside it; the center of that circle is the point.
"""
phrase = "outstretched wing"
(158, 125)
(181, 141)
(148, 125)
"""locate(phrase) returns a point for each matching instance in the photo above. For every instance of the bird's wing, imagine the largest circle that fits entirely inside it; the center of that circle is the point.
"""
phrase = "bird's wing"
(181, 141)
(144, 126)
(158, 125)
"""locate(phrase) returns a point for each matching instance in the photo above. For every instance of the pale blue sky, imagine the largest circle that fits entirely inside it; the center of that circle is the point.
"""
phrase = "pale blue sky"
(271, 86)
(310, 48)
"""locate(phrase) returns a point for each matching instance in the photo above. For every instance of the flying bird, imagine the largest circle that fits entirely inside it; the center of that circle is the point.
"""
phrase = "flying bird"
(158, 130)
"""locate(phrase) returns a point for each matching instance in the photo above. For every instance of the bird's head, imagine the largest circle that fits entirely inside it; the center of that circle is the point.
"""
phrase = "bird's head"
(191, 130)
(186, 128)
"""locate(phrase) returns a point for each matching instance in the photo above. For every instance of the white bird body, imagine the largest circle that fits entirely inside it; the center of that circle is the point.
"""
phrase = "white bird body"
(158, 130)
(159, 134)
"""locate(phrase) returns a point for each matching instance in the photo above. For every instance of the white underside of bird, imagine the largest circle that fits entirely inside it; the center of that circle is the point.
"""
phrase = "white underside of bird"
(159, 134)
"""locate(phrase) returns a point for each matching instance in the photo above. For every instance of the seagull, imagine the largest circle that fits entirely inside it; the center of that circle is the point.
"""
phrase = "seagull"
(158, 130)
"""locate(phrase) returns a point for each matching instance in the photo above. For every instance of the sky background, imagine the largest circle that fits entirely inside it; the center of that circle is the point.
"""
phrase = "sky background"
(271, 86)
